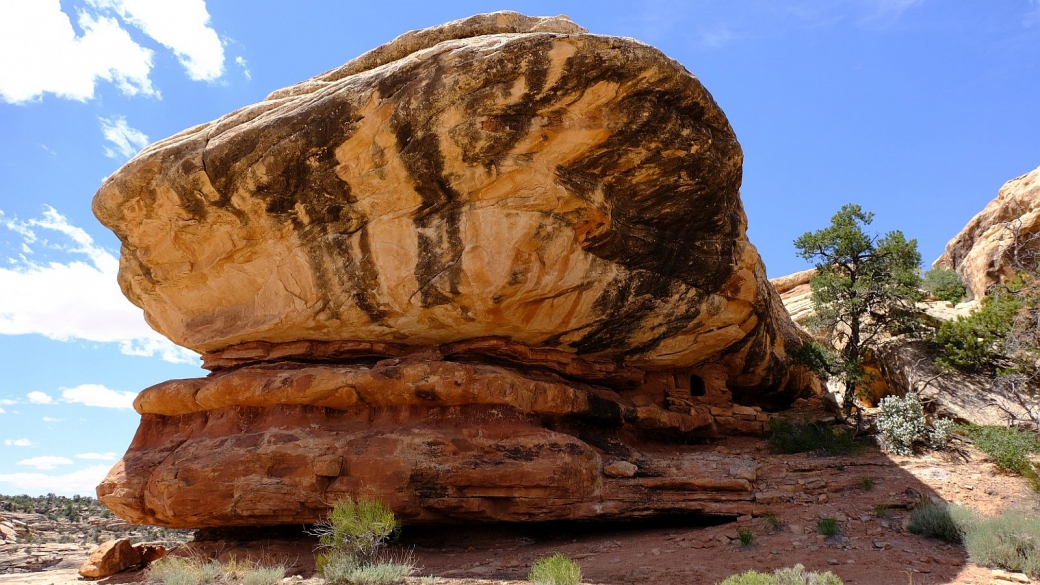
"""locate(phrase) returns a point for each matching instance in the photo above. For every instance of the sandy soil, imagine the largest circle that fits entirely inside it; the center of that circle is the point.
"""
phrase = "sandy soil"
(798, 488)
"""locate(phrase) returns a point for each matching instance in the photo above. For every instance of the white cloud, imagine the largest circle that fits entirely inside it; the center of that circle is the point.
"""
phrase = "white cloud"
(241, 62)
(51, 419)
(18, 442)
(37, 397)
(180, 25)
(107, 456)
(126, 141)
(80, 482)
(98, 395)
(45, 462)
(75, 299)
(42, 54)
(2, 411)
(8, 401)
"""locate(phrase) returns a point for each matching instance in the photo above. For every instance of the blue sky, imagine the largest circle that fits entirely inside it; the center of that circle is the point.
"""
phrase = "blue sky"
(916, 109)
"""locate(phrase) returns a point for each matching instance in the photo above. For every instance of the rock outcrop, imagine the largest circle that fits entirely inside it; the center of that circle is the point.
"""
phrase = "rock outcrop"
(111, 558)
(464, 273)
(1004, 234)
(796, 293)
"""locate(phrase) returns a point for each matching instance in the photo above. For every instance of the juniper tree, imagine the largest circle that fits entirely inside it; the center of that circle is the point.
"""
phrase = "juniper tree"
(865, 286)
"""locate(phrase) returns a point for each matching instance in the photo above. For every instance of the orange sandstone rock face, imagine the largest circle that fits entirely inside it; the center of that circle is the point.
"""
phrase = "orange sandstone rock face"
(462, 273)
(983, 252)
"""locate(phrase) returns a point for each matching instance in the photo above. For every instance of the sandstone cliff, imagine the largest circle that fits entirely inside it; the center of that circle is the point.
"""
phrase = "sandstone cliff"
(467, 272)
(984, 252)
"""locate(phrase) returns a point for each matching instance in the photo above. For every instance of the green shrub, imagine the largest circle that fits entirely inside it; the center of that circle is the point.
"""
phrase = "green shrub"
(746, 536)
(866, 484)
(1010, 541)
(827, 526)
(975, 343)
(786, 436)
(359, 529)
(555, 570)
(352, 540)
(901, 423)
(796, 575)
(944, 285)
(945, 522)
(1009, 447)
(881, 510)
(817, 357)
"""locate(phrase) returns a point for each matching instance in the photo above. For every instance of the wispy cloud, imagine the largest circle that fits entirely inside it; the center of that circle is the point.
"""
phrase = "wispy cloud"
(125, 140)
(46, 462)
(80, 482)
(241, 62)
(75, 299)
(107, 456)
(1032, 16)
(179, 25)
(18, 443)
(717, 36)
(99, 396)
(884, 13)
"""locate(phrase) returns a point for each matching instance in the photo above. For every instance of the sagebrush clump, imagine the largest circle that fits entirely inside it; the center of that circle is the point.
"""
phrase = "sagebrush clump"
(901, 423)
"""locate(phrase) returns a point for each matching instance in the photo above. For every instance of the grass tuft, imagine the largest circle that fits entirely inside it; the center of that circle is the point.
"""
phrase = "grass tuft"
(746, 536)
(945, 522)
(828, 526)
(555, 570)
(1010, 541)
(772, 521)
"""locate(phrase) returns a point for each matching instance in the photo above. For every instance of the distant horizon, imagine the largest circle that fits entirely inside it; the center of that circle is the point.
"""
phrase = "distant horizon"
(917, 110)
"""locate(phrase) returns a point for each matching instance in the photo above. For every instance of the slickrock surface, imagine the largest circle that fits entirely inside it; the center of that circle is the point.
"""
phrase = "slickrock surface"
(983, 251)
(463, 273)
(795, 293)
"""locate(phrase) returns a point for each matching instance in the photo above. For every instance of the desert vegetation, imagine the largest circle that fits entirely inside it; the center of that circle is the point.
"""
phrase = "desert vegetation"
(353, 543)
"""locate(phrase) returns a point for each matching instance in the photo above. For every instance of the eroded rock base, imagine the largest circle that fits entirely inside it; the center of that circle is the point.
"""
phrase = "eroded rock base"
(440, 441)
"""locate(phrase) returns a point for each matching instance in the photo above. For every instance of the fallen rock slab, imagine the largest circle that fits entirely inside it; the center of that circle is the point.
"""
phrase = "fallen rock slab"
(111, 558)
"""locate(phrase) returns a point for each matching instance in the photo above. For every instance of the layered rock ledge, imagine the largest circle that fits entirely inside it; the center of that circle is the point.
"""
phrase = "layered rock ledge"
(478, 272)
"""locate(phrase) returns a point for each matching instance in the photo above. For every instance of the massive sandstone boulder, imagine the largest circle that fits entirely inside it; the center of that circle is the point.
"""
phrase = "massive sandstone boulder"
(464, 273)
(1004, 234)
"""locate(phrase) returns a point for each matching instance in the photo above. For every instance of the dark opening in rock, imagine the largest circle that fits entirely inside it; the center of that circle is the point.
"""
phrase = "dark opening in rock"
(696, 386)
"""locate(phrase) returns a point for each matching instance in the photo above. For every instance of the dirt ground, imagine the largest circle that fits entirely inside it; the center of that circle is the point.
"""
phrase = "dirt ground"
(797, 489)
